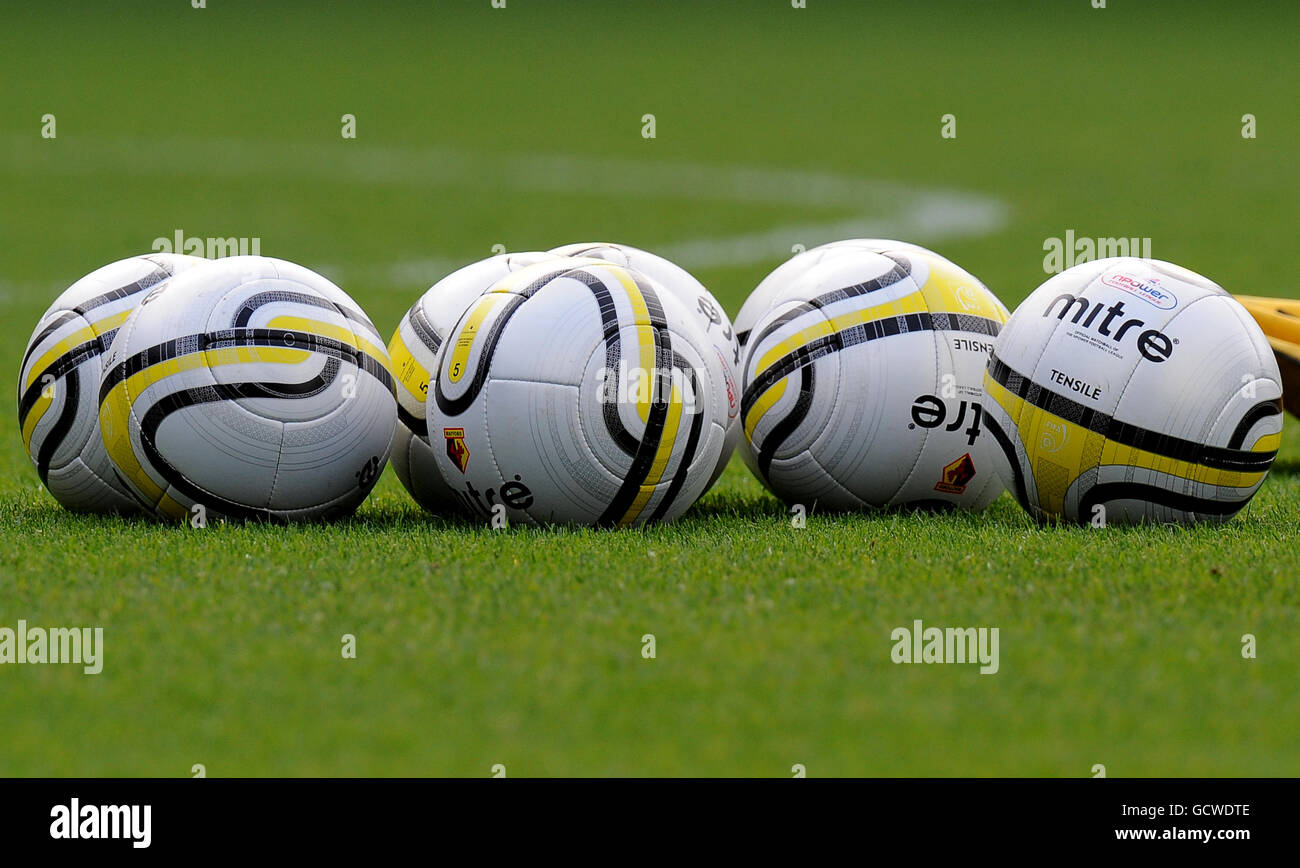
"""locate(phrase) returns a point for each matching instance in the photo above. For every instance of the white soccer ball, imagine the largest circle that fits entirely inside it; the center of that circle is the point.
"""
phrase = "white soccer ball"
(413, 348)
(248, 388)
(862, 380)
(1127, 390)
(760, 299)
(58, 386)
(709, 313)
(579, 392)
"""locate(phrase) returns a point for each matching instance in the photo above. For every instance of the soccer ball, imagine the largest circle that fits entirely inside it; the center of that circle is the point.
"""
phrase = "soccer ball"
(1128, 390)
(413, 348)
(248, 388)
(578, 391)
(58, 385)
(710, 315)
(760, 299)
(862, 380)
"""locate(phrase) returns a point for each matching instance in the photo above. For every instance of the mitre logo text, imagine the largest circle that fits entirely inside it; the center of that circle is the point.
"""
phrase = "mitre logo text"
(1153, 344)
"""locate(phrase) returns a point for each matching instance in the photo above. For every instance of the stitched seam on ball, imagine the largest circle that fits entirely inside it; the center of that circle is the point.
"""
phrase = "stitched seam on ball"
(925, 438)
(111, 484)
(1032, 374)
(834, 482)
(275, 477)
(1243, 316)
(1133, 373)
(166, 486)
(305, 289)
(487, 434)
(129, 326)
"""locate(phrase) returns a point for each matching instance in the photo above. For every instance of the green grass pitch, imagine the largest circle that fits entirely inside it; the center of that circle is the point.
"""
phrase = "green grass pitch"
(523, 127)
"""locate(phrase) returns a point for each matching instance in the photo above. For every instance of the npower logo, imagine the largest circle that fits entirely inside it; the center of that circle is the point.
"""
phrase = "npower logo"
(1149, 291)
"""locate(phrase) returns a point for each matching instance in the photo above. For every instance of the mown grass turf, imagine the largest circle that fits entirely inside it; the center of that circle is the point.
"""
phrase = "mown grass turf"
(522, 647)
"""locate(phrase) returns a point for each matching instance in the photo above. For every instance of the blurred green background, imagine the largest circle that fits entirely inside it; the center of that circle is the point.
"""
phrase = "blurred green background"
(523, 127)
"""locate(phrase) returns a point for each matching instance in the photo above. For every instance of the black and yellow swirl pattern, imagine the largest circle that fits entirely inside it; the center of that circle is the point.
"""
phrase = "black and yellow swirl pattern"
(286, 340)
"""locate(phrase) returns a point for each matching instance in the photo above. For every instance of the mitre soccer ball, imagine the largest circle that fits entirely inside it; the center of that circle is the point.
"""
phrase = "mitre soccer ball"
(578, 391)
(1127, 390)
(413, 348)
(58, 386)
(708, 312)
(861, 380)
(760, 299)
(248, 388)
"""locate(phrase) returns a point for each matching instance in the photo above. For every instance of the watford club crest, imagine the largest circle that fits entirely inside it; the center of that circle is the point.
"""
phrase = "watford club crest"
(956, 476)
(457, 451)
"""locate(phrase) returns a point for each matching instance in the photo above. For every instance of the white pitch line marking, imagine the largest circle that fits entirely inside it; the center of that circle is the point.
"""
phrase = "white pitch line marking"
(869, 208)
